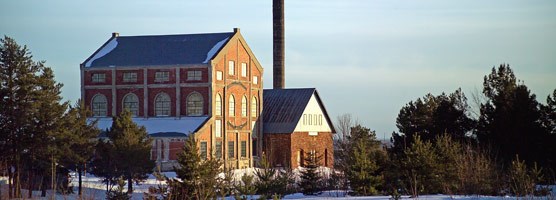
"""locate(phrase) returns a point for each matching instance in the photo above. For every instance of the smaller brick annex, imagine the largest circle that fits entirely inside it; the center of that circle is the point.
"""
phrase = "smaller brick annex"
(296, 122)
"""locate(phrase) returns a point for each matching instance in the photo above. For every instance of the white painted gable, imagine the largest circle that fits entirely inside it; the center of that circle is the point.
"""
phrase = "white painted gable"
(313, 119)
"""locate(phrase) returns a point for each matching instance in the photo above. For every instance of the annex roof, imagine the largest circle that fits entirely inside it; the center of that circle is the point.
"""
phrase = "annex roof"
(162, 127)
(283, 108)
(158, 50)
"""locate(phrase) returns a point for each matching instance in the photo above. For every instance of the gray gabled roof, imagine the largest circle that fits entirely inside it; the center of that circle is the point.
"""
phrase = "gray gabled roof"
(283, 108)
(158, 50)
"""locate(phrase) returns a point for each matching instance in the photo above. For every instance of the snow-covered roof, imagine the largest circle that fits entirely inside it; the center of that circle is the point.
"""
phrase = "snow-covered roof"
(162, 127)
(158, 50)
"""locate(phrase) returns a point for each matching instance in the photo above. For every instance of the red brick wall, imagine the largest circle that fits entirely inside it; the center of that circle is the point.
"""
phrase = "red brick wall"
(151, 73)
(176, 146)
(89, 77)
(120, 94)
(204, 75)
(283, 148)
(278, 149)
(321, 143)
(185, 91)
(120, 77)
(153, 92)
(90, 93)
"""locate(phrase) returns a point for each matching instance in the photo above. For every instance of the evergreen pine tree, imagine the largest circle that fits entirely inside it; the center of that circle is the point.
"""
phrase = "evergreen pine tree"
(18, 74)
(247, 187)
(311, 180)
(226, 183)
(510, 120)
(432, 116)
(419, 167)
(449, 155)
(30, 115)
(83, 138)
(132, 149)
(198, 177)
(104, 163)
(46, 145)
(364, 157)
(118, 193)
(266, 176)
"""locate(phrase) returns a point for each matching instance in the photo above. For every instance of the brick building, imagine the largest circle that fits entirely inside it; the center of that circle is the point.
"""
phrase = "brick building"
(209, 85)
(295, 123)
(175, 85)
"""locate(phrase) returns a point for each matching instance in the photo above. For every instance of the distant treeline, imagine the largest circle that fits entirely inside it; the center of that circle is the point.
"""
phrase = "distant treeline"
(505, 146)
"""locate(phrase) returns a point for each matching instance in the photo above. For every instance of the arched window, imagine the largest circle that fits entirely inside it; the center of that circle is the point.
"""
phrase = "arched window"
(99, 105)
(254, 107)
(218, 105)
(131, 103)
(232, 106)
(244, 106)
(162, 105)
(194, 104)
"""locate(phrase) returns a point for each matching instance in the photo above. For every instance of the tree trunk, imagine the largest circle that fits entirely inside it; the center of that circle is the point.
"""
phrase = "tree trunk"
(17, 193)
(43, 186)
(129, 185)
(79, 172)
(10, 180)
(30, 184)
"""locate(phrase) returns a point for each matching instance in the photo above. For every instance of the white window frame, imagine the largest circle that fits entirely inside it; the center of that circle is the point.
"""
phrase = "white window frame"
(195, 75)
(218, 128)
(162, 105)
(231, 67)
(232, 106)
(98, 78)
(130, 77)
(99, 105)
(254, 106)
(194, 106)
(219, 75)
(255, 80)
(218, 105)
(161, 76)
(243, 69)
(244, 106)
(131, 103)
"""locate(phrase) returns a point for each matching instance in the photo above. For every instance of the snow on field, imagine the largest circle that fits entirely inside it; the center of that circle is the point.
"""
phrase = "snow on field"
(93, 188)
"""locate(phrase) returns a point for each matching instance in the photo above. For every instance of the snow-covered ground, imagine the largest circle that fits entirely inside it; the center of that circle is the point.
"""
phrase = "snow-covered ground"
(93, 188)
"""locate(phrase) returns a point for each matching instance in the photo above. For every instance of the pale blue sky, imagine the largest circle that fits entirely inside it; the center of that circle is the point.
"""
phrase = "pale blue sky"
(366, 57)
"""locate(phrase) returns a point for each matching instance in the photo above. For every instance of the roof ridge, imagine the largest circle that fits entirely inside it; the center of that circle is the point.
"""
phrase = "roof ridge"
(128, 36)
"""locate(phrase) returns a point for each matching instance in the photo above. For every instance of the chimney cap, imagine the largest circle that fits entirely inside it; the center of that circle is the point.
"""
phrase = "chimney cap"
(115, 34)
(236, 30)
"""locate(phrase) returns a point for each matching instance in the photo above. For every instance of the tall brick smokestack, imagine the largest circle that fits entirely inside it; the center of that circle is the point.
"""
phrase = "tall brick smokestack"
(278, 44)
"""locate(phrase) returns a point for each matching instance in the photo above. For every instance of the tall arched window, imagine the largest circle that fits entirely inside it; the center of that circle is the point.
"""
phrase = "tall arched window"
(254, 107)
(218, 105)
(131, 103)
(162, 105)
(194, 104)
(232, 106)
(244, 106)
(99, 105)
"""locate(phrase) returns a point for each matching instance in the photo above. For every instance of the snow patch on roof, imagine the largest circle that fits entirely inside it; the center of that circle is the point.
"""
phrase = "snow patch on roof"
(183, 125)
(102, 52)
(214, 49)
